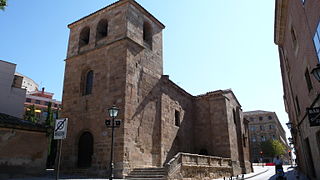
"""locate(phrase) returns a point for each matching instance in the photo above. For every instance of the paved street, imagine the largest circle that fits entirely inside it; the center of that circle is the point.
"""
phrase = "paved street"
(268, 173)
(260, 173)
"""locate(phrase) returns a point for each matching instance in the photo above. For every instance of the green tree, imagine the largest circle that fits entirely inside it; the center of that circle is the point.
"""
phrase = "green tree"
(273, 148)
(49, 118)
(30, 114)
(3, 4)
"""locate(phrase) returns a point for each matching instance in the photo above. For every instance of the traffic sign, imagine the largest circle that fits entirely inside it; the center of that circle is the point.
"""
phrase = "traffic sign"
(60, 128)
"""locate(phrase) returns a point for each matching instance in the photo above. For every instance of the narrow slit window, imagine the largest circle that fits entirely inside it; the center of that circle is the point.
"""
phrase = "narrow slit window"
(177, 118)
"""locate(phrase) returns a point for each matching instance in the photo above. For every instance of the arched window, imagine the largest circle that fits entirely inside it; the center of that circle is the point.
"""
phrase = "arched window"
(85, 150)
(102, 29)
(84, 36)
(88, 83)
(147, 33)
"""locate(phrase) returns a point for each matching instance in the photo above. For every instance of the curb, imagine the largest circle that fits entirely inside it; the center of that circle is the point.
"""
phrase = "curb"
(256, 174)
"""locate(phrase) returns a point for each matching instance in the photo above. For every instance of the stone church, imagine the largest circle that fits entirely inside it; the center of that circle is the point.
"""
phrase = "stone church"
(115, 57)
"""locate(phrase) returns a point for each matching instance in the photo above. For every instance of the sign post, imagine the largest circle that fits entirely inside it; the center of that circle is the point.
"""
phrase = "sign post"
(60, 132)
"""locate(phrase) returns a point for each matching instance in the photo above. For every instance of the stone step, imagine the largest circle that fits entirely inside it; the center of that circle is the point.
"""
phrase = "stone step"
(146, 178)
(147, 174)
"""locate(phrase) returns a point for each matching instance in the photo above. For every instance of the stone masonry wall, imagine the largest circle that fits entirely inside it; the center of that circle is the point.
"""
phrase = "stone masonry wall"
(142, 138)
(211, 127)
(22, 152)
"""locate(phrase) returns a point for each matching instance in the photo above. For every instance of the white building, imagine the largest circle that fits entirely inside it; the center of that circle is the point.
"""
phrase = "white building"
(28, 83)
(12, 96)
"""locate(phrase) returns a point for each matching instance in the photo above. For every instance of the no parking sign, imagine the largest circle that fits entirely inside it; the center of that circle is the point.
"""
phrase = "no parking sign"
(60, 128)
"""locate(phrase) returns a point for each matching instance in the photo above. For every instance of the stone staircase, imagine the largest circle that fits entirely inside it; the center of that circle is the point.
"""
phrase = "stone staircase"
(147, 174)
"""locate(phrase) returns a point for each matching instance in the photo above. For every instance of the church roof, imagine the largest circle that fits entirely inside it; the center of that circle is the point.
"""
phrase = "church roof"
(119, 3)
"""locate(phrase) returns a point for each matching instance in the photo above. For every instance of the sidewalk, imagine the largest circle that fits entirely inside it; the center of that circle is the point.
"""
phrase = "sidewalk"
(257, 171)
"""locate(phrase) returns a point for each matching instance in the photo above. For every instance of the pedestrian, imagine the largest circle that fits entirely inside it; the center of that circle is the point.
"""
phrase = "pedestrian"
(278, 163)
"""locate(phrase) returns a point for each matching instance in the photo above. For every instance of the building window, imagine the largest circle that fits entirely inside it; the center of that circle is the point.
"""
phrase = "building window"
(308, 80)
(260, 118)
(244, 140)
(234, 117)
(273, 137)
(263, 138)
(269, 117)
(298, 106)
(147, 34)
(254, 139)
(318, 141)
(252, 128)
(316, 41)
(89, 83)
(46, 103)
(84, 37)
(251, 119)
(261, 127)
(37, 102)
(55, 105)
(270, 126)
(102, 29)
(28, 100)
(293, 37)
(177, 118)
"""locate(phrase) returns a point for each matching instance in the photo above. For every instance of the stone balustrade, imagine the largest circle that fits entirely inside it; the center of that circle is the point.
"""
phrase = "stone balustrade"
(194, 167)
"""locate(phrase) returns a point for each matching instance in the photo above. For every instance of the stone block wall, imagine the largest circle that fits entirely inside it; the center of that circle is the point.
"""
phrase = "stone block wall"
(211, 126)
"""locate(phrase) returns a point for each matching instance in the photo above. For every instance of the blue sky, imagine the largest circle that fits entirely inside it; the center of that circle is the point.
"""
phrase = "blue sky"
(208, 45)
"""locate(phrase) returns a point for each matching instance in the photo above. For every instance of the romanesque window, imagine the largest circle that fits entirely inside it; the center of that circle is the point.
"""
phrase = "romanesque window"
(147, 33)
(177, 118)
(84, 36)
(102, 29)
(316, 41)
(88, 83)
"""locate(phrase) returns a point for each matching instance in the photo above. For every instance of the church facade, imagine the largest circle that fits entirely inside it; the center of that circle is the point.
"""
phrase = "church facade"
(115, 58)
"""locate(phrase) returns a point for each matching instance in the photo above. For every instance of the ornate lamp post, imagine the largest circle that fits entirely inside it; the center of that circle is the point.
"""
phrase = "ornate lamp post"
(113, 113)
(316, 72)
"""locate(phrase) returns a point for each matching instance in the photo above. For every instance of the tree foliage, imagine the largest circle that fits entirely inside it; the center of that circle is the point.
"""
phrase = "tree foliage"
(30, 114)
(3, 4)
(273, 148)
(49, 118)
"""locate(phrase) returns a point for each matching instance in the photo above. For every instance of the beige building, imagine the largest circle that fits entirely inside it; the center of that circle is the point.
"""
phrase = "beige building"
(12, 96)
(264, 126)
(297, 34)
(115, 58)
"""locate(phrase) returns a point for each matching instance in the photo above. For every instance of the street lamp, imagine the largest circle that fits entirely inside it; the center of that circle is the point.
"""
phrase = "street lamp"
(289, 124)
(316, 72)
(113, 113)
